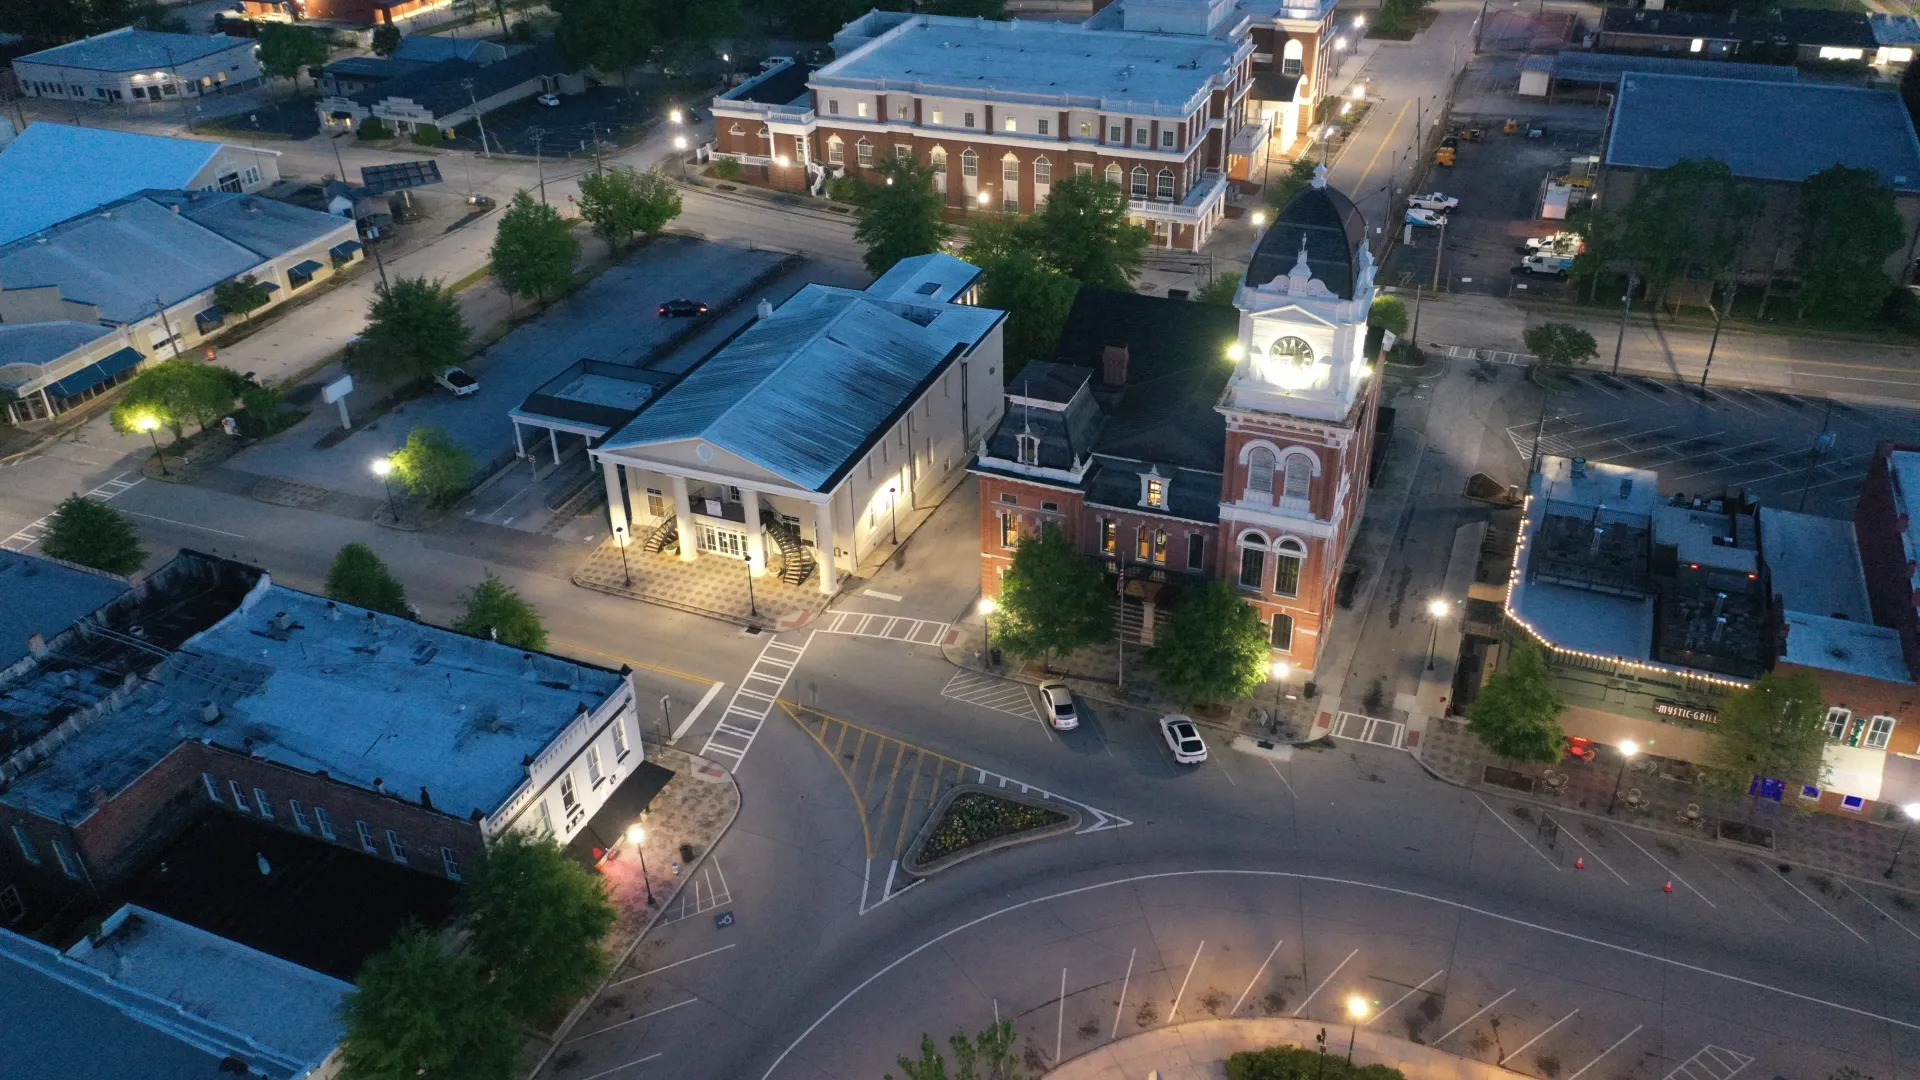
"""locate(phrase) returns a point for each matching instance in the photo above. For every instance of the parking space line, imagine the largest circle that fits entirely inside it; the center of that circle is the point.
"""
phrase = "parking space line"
(1403, 997)
(675, 964)
(1608, 1050)
(1819, 905)
(1504, 1058)
(1716, 393)
(1283, 778)
(1516, 833)
(633, 1020)
(1323, 983)
(1665, 867)
(1761, 900)
(1477, 1015)
(1251, 983)
(1182, 992)
(1060, 1026)
(1121, 1005)
(1883, 914)
(1596, 857)
(1711, 1063)
(617, 1068)
(1631, 384)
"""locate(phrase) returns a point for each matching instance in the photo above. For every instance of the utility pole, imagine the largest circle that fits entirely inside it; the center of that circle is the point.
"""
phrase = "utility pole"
(1718, 315)
(167, 326)
(595, 128)
(1439, 255)
(539, 163)
(374, 246)
(175, 72)
(341, 165)
(478, 120)
(1626, 305)
(1479, 27)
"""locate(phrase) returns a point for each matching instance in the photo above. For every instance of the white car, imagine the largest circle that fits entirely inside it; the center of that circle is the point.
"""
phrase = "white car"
(1427, 218)
(1433, 200)
(1183, 739)
(551, 101)
(457, 381)
(1059, 702)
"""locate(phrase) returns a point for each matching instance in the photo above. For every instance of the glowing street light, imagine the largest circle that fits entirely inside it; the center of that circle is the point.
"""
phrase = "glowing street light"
(676, 117)
(1279, 672)
(1359, 23)
(1912, 810)
(383, 468)
(1235, 351)
(1628, 748)
(679, 142)
(1438, 610)
(1259, 219)
(150, 423)
(1357, 1010)
(637, 836)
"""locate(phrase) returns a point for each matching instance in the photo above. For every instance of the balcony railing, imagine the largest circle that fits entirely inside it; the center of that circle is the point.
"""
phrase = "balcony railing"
(1197, 204)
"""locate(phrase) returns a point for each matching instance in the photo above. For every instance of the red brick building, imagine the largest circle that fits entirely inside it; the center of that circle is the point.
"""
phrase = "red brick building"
(1178, 442)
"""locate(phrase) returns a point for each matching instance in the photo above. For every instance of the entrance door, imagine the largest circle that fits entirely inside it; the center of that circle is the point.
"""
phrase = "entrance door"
(723, 541)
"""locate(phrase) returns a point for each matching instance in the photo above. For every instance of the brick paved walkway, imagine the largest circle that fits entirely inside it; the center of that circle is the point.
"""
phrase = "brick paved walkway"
(709, 585)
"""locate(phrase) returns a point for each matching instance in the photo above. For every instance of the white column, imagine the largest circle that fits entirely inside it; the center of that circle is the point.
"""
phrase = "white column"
(823, 546)
(616, 502)
(519, 444)
(756, 537)
(683, 516)
(553, 440)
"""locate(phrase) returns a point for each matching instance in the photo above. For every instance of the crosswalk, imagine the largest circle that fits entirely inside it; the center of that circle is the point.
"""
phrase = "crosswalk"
(736, 729)
(992, 692)
(32, 534)
(888, 627)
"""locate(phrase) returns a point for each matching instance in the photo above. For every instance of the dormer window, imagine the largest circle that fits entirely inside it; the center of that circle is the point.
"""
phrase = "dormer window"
(1153, 491)
(1028, 448)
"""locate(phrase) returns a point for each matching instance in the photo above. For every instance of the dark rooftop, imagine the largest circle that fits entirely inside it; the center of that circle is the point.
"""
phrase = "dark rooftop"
(441, 89)
(778, 88)
(596, 393)
(60, 596)
(1273, 86)
(1333, 231)
(1800, 26)
(1593, 548)
(1043, 380)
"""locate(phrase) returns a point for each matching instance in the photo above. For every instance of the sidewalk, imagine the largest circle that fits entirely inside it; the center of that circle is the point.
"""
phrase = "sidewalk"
(1198, 1050)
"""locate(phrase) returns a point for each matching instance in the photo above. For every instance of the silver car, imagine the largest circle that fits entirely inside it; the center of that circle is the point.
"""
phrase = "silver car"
(1059, 703)
(1183, 738)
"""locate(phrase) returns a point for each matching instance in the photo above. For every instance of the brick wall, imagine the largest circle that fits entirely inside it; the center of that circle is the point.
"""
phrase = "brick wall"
(1878, 528)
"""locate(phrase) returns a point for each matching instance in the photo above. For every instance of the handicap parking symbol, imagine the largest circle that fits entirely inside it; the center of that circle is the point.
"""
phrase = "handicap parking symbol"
(723, 920)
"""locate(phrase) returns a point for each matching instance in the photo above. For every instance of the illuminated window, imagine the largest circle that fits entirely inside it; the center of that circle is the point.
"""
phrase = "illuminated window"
(1156, 492)
(1029, 449)
(836, 150)
(1160, 547)
(1109, 536)
(1143, 545)
(861, 108)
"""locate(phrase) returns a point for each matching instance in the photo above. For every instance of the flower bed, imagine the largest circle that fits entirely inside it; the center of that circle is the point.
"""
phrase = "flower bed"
(974, 818)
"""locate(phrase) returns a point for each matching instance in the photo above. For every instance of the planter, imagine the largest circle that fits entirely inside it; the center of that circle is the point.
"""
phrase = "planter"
(973, 819)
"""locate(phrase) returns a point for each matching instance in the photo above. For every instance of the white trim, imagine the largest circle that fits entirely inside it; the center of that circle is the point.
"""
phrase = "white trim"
(1268, 517)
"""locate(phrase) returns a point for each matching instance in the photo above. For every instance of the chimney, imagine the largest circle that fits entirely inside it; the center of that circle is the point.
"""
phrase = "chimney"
(1113, 365)
(764, 308)
(209, 713)
(37, 644)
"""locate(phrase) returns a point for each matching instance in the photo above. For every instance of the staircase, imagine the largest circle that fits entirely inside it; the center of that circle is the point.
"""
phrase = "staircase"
(796, 562)
(1131, 617)
(664, 537)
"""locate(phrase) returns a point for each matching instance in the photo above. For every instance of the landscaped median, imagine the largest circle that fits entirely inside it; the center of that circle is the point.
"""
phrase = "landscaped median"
(1270, 1048)
(973, 819)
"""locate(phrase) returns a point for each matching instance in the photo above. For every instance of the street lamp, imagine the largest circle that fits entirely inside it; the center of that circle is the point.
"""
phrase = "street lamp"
(637, 836)
(1438, 610)
(676, 117)
(1912, 810)
(150, 423)
(988, 605)
(679, 142)
(893, 516)
(1280, 670)
(1628, 748)
(383, 468)
(1259, 219)
(753, 607)
(1359, 23)
(1356, 1011)
(620, 541)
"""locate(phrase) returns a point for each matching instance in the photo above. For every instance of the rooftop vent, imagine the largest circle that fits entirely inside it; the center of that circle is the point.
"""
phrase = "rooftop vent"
(1113, 365)
(209, 713)
(1579, 468)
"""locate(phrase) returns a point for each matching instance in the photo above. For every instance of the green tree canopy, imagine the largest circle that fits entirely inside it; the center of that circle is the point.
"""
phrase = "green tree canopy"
(1848, 230)
(533, 251)
(286, 50)
(94, 534)
(414, 329)
(176, 393)
(1517, 713)
(1015, 277)
(536, 918)
(1052, 600)
(620, 202)
(989, 1055)
(610, 35)
(358, 577)
(495, 610)
(1389, 313)
(433, 465)
(1559, 346)
(386, 38)
(1772, 729)
(420, 1011)
(1214, 647)
(1297, 178)
(1691, 215)
(54, 22)
(1085, 234)
(1220, 291)
(245, 294)
(898, 214)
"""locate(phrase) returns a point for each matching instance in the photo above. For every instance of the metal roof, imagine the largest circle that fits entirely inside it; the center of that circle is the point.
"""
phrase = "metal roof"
(1763, 131)
(1324, 223)
(31, 346)
(61, 595)
(127, 49)
(936, 278)
(52, 172)
(381, 179)
(806, 390)
(1588, 67)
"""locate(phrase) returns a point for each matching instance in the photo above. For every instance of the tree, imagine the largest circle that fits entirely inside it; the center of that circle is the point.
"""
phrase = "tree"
(1214, 647)
(1015, 277)
(536, 918)
(1297, 178)
(245, 294)
(1220, 291)
(59, 21)
(1052, 599)
(533, 251)
(358, 577)
(1559, 346)
(1389, 313)
(421, 1011)
(1517, 713)
(414, 329)
(987, 1056)
(1773, 729)
(176, 393)
(1085, 234)
(610, 35)
(1690, 215)
(619, 202)
(93, 534)
(1848, 230)
(898, 214)
(386, 38)
(495, 610)
(286, 49)
(432, 464)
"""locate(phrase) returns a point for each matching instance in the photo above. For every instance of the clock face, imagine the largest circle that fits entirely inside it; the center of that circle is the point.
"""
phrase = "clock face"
(1294, 351)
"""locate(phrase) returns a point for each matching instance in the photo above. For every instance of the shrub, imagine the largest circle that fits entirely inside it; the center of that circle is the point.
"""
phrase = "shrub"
(1295, 1063)
(427, 135)
(374, 128)
(727, 168)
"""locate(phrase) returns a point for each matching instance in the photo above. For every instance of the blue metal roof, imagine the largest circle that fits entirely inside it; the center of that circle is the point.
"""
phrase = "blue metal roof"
(96, 373)
(127, 49)
(55, 171)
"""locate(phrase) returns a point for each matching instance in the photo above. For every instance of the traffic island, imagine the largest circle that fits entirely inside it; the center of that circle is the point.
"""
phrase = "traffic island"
(1250, 1049)
(973, 819)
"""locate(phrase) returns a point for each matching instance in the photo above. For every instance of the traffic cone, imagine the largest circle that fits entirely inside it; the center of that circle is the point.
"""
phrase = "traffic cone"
(1669, 887)
(1579, 864)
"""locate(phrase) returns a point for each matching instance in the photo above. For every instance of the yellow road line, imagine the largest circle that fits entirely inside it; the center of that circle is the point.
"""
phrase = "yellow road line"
(866, 833)
(1384, 140)
(893, 780)
(906, 806)
(837, 743)
(630, 661)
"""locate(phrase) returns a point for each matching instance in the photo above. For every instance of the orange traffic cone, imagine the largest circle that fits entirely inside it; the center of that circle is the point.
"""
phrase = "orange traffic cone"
(1579, 864)
(1669, 887)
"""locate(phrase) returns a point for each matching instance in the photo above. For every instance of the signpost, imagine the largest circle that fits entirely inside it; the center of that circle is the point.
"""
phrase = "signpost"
(335, 393)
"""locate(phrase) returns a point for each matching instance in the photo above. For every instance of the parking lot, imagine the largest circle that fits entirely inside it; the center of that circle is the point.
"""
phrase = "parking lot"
(1703, 442)
(615, 115)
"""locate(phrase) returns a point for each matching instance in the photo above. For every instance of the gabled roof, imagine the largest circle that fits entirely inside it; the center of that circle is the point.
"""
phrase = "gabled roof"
(52, 172)
(937, 278)
(1333, 231)
(127, 49)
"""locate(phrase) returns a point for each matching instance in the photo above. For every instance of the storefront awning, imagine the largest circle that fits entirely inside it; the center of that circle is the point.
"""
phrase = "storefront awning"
(608, 827)
(306, 269)
(345, 251)
(210, 318)
(96, 373)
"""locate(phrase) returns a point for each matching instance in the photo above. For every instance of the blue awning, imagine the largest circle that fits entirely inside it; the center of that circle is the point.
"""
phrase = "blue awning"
(211, 317)
(305, 269)
(345, 251)
(271, 287)
(96, 373)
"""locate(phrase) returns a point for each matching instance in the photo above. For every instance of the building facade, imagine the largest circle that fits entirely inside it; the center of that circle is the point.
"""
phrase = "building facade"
(139, 65)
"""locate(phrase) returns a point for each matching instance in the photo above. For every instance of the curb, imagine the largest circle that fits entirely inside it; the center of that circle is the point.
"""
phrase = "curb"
(947, 862)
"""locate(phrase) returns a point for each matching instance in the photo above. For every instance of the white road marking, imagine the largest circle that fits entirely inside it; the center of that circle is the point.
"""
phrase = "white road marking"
(1711, 1063)
(1060, 1026)
(1516, 833)
(1118, 1006)
(1596, 856)
(633, 1020)
(1504, 1058)
(35, 531)
(878, 595)
(1323, 983)
(1404, 997)
(1194, 963)
(182, 524)
(772, 668)
(675, 964)
(1761, 900)
(1510, 920)
(992, 692)
(1665, 867)
(1818, 904)
(705, 700)
(1255, 981)
(1608, 1050)
(700, 895)
(1283, 778)
(1477, 1014)
(887, 627)
(1883, 914)
(617, 1068)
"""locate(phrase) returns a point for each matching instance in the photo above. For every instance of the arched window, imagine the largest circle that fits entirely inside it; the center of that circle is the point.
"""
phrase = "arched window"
(1260, 465)
(1113, 175)
(1287, 556)
(836, 150)
(939, 160)
(1010, 169)
(1290, 57)
(1042, 170)
(1253, 560)
(1282, 636)
(1139, 181)
(1163, 185)
(969, 163)
(863, 152)
(1299, 483)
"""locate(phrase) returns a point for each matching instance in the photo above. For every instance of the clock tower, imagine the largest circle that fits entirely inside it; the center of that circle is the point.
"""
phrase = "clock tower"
(1300, 412)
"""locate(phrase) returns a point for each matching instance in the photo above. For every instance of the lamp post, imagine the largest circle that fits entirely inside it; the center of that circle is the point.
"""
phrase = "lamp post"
(1438, 610)
(620, 539)
(1912, 810)
(150, 424)
(753, 607)
(893, 516)
(637, 836)
(1259, 219)
(1628, 748)
(383, 468)
(1280, 670)
(1356, 1012)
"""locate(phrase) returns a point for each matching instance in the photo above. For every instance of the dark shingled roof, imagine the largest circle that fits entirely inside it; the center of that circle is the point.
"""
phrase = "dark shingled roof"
(1801, 26)
(789, 84)
(441, 90)
(1045, 381)
(1333, 230)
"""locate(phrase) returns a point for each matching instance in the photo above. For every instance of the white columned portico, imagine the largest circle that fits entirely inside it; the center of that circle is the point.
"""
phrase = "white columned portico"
(616, 502)
(756, 536)
(823, 546)
(683, 519)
